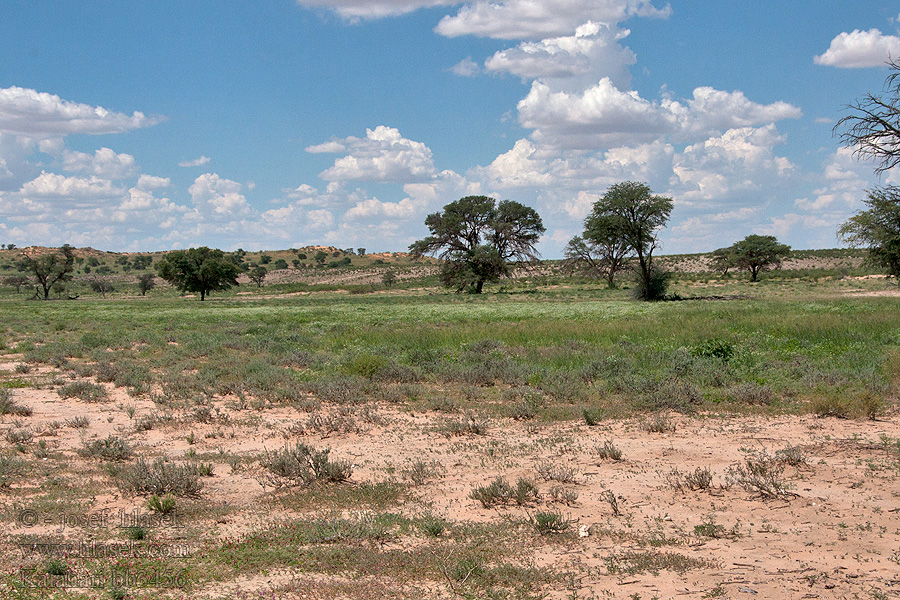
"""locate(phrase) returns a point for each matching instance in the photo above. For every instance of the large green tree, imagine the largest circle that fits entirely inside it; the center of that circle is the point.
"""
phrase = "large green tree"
(632, 215)
(51, 268)
(757, 253)
(199, 270)
(478, 239)
(877, 229)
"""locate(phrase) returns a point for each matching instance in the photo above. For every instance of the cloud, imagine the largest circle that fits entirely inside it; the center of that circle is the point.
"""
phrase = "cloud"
(103, 163)
(466, 68)
(150, 182)
(197, 162)
(382, 156)
(354, 10)
(538, 19)
(859, 49)
(593, 52)
(218, 197)
(53, 186)
(42, 115)
(740, 159)
(604, 116)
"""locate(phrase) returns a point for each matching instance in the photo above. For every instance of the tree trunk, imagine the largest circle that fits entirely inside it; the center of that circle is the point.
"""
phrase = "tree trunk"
(479, 286)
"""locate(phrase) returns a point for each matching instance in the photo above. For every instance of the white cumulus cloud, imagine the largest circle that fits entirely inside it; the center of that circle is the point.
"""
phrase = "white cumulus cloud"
(373, 9)
(217, 196)
(54, 186)
(859, 49)
(538, 19)
(593, 52)
(384, 155)
(196, 162)
(103, 163)
(42, 115)
(605, 116)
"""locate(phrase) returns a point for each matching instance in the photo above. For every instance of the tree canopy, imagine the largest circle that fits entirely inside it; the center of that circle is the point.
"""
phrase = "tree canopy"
(50, 269)
(199, 270)
(478, 238)
(877, 229)
(630, 214)
(757, 253)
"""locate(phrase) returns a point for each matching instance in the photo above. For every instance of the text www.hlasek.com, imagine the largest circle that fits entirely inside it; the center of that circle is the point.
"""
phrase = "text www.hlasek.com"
(104, 550)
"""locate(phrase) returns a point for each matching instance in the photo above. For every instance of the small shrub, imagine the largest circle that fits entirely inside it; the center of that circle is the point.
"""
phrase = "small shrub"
(699, 479)
(146, 423)
(612, 500)
(608, 451)
(8, 406)
(553, 472)
(111, 448)
(869, 405)
(659, 423)
(303, 465)
(527, 403)
(793, 456)
(560, 494)
(163, 505)
(136, 533)
(715, 348)
(546, 523)
(433, 526)
(420, 471)
(56, 567)
(679, 396)
(84, 390)
(159, 477)
(19, 436)
(760, 474)
(501, 492)
(710, 529)
(78, 422)
(752, 393)
(592, 416)
(10, 468)
(831, 406)
(469, 423)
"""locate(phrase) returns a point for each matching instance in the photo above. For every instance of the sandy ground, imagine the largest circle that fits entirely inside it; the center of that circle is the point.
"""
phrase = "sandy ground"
(834, 533)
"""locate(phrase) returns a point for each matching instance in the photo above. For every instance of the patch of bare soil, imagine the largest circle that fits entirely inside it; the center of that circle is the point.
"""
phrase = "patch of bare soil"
(826, 525)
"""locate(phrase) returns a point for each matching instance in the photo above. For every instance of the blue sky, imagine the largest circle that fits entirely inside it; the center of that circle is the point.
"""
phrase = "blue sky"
(263, 125)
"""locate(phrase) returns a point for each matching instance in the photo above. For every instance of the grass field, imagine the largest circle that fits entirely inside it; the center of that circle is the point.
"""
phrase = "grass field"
(418, 443)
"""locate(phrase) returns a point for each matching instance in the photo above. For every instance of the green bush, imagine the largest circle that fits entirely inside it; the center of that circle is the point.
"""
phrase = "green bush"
(110, 448)
(84, 390)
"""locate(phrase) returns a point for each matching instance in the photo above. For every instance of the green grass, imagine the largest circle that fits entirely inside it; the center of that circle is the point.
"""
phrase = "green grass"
(577, 348)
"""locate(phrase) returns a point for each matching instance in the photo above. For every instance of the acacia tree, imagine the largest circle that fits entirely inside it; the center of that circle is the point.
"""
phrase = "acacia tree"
(478, 238)
(872, 128)
(258, 275)
(200, 270)
(631, 213)
(597, 258)
(722, 260)
(873, 131)
(146, 282)
(50, 269)
(757, 253)
(878, 229)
